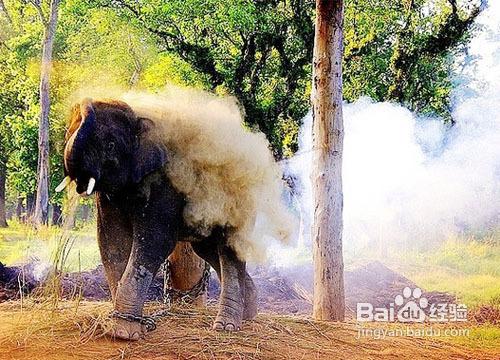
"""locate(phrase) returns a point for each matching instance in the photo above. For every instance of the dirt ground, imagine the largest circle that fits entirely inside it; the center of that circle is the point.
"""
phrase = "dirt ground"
(75, 332)
(30, 328)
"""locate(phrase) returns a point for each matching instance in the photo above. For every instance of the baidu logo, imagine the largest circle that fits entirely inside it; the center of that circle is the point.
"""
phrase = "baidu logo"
(409, 307)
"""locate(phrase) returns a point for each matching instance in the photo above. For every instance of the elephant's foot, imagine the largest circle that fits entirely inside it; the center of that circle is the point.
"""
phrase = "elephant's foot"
(250, 303)
(228, 319)
(127, 330)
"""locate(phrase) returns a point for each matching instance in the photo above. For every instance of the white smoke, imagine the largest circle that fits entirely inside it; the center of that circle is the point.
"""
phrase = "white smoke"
(413, 181)
(40, 270)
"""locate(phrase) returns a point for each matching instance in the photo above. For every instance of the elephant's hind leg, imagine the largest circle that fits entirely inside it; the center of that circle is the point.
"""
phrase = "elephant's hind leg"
(231, 302)
(250, 308)
(238, 298)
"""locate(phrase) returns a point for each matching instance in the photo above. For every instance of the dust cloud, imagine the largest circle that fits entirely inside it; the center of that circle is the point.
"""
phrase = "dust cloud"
(227, 172)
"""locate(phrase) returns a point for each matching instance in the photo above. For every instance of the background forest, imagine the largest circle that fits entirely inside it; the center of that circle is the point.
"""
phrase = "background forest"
(258, 51)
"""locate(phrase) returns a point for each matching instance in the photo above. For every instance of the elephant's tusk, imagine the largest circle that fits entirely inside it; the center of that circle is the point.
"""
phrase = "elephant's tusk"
(90, 188)
(63, 184)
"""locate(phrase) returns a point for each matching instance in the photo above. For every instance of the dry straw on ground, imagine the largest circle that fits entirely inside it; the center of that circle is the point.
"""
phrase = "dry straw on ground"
(76, 332)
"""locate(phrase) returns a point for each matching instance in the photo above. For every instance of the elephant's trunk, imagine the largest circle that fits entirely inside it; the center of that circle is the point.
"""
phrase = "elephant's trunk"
(76, 143)
(75, 152)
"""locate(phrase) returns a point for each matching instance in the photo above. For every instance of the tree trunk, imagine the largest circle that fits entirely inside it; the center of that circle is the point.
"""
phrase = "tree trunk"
(69, 215)
(56, 215)
(328, 133)
(85, 213)
(3, 176)
(20, 209)
(42, 194)
(187, 269)
(30, 206)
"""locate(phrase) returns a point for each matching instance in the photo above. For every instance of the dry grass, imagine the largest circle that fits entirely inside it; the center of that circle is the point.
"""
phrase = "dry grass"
(76, 332)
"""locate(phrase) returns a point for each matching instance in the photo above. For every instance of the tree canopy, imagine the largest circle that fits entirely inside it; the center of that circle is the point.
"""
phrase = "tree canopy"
(258, 51)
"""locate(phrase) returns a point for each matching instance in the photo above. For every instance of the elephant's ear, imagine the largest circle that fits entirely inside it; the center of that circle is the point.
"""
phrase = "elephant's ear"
(149, 155)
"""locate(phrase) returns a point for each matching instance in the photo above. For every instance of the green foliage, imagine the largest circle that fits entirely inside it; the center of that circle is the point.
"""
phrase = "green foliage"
(464, 266)
(18, 104)
(401, 51)
(22, 164)
(261, 52)
(19, 244)
(258, 51)
(170, 69)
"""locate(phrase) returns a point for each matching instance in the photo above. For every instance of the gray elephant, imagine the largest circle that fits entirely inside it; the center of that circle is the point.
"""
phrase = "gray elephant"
(110, 152)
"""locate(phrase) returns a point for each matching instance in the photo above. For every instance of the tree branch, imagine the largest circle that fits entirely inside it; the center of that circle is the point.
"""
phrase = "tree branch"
(4, 10)
(451, 31)
(303, 23)
(254, 77)
(38, 7)
(448, 35)
(4, 44)
(248, 52)
(198, 56)
(292, 71)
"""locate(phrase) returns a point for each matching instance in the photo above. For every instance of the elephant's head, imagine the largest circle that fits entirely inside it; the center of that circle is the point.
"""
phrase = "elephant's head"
(108, 148)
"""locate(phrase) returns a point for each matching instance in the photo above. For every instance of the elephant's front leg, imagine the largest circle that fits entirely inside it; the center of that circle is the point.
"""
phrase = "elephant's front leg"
(149, 250)
(114, 235)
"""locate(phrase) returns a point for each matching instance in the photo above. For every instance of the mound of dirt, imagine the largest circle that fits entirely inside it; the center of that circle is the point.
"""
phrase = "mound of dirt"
(375, 283)
(277, 293)
(93, 285)
(486, 314)
(16, 280)
(281, 291)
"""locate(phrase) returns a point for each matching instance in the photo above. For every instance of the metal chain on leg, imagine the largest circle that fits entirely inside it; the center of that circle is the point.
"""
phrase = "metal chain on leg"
(187, 297)
(167, 283)
(169, 295)
(148, 321)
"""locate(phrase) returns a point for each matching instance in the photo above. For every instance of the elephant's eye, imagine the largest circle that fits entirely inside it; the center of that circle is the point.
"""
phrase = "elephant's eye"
(111, 146)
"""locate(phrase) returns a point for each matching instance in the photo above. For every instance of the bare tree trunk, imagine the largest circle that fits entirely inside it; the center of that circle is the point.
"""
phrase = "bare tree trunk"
(56, 215)
(69, 215)
(85, 213)
(328, 133)
(20, 209)
(187, 269)
(30, 206)
(3, 176)
(42, 194)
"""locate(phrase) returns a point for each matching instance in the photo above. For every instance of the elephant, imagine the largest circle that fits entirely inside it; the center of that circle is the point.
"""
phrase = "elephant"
(111, 152)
